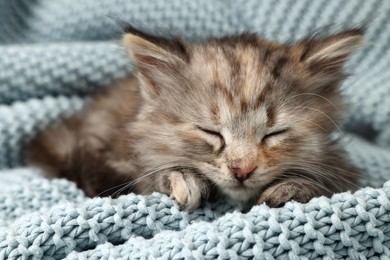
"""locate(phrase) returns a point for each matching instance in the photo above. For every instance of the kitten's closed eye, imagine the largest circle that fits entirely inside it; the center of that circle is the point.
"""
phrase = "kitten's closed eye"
(210, 132)
(274, 134)
(214, 134)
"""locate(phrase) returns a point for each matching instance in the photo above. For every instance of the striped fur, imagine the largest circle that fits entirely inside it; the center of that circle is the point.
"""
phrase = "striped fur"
(196, 112)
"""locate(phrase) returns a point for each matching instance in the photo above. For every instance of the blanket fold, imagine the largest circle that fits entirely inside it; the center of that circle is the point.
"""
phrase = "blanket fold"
(54, 54)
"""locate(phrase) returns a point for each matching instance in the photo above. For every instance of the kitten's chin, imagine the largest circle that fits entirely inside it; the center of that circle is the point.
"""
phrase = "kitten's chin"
(241, 194)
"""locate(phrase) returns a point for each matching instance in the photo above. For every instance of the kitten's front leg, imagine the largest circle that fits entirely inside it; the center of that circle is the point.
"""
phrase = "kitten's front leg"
(186, 187)
(297, 189)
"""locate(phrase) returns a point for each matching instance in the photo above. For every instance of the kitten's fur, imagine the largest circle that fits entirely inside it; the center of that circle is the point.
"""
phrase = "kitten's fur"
(239, 116)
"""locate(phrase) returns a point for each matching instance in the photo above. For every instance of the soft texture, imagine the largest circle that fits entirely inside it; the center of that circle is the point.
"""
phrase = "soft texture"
(53, 53)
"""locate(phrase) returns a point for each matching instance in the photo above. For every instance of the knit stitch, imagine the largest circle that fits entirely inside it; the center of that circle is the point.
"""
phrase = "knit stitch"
(53, 54)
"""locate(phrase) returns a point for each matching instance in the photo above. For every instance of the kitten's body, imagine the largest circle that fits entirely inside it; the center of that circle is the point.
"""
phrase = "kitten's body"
(238, 116)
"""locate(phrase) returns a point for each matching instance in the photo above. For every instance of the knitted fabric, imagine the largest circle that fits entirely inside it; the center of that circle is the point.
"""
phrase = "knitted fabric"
(54, 53)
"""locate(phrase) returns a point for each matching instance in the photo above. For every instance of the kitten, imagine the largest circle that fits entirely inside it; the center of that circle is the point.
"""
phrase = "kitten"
(237, 116)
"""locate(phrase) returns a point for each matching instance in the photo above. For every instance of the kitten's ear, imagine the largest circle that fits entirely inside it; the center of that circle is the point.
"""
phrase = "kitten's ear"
(327, 55)
(156, 59)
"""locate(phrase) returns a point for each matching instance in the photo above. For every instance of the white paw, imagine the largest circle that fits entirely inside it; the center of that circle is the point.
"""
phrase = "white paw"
(187, 189)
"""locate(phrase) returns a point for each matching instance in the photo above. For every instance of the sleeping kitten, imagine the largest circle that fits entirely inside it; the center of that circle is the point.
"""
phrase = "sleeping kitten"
(237, 116)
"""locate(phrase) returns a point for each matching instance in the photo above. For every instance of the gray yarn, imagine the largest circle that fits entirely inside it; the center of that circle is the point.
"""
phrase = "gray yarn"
(54, 53)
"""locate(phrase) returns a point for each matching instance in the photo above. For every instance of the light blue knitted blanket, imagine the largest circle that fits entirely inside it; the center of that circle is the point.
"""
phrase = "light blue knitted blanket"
(53, 53)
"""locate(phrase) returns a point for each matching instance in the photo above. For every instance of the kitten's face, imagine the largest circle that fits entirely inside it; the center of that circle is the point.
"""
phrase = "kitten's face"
(241, 111)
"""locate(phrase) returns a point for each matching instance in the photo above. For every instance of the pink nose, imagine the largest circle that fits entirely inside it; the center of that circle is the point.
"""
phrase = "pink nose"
(243, 173)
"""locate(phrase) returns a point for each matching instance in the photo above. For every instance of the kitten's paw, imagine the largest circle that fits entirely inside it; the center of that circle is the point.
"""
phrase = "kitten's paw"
(297, 190)
(187, 189)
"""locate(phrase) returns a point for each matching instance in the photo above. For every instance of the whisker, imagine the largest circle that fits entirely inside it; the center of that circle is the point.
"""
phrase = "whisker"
(302, 176)
(319, 111)
(311, 122)
(169, 166)
(307, 178)
(318, 172)
(315, 171)
(334, 167)
(128, 184)
(109, 189)
(118, 192)
(315, 95)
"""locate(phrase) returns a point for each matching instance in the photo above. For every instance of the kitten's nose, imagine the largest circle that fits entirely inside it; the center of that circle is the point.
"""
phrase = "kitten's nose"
(243, 173)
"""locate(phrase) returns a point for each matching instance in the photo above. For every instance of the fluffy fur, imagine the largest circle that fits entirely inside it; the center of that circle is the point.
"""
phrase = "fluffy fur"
(238, 116)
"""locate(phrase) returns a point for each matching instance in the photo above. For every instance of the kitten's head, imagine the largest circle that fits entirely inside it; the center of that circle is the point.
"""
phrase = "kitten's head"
(240, 110)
